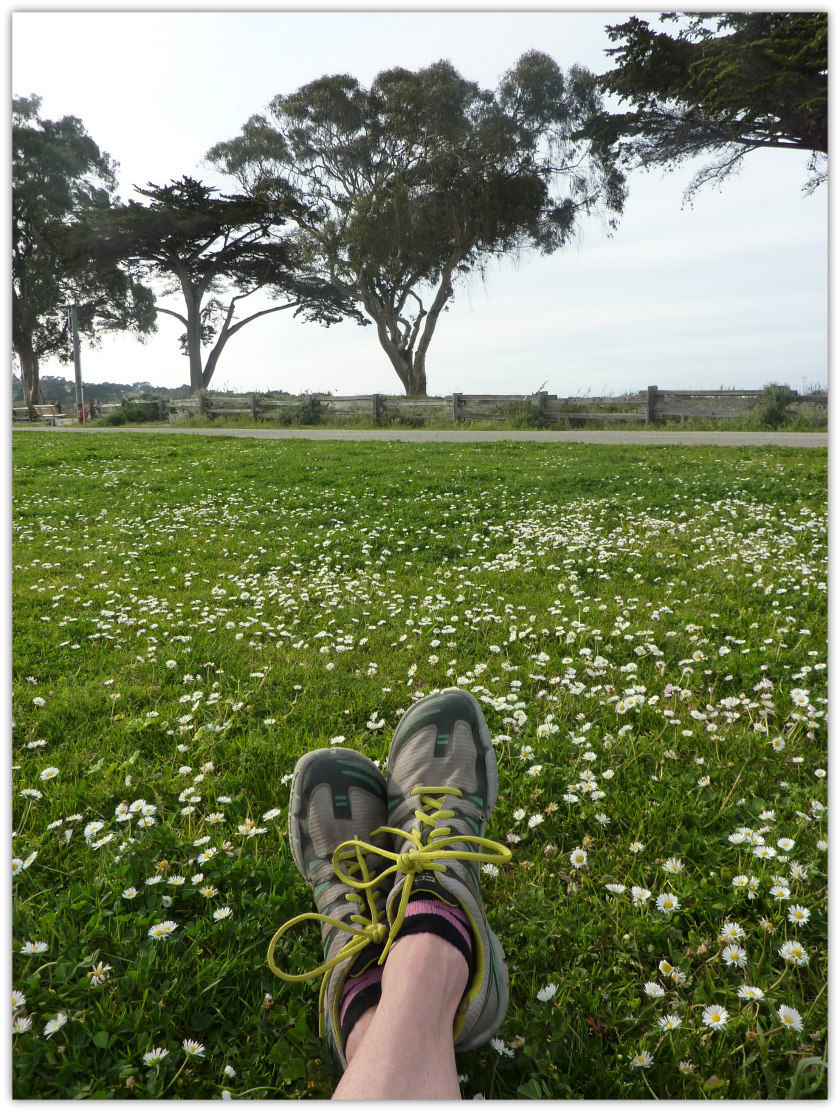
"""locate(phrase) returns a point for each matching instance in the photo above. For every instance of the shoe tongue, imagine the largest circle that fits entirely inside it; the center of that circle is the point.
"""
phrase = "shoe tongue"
(427, 884)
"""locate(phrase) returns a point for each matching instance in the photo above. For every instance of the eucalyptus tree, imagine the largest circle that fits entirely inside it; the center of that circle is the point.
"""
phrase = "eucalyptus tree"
(215, 251)
(59, 177)
(424, 177)
(725, 84)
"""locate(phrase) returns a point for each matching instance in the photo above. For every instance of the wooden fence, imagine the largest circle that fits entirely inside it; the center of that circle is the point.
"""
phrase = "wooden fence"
(649, 407)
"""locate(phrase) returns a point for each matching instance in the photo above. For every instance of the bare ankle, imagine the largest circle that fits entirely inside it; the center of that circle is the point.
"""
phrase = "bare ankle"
(427, 966)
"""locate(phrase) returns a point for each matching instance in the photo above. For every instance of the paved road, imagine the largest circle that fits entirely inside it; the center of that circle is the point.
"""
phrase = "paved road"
(424, 436)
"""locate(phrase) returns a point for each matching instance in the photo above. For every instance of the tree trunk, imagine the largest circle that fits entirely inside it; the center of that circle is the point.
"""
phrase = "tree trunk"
(29, 376)
(212, 360)
(410, 371)
(193, 336)
(415, 382)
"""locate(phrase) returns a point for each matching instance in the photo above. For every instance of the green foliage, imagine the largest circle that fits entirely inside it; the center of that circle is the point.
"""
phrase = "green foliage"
(205, 247)
(57, 389)
(132, 412)
(726, 84)
(425, 177)
(304, 415)
(523, 415)
(191, 595)
(59, 176)
(772, 410)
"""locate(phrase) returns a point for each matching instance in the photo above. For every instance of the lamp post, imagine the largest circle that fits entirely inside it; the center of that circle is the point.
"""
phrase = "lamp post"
(77, 361)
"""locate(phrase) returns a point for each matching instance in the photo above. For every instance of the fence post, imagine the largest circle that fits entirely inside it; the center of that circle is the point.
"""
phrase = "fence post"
(457, 407)
(202, 403)
(378, 404)
(161, 408)
(540, 399)
(253, 407)
(650, 405)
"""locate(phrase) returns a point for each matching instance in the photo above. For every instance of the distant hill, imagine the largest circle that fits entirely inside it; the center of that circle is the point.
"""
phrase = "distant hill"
(55, 389)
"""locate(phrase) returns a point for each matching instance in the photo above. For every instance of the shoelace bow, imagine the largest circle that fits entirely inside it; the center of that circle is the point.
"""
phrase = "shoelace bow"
(432, 841)
(432, 844)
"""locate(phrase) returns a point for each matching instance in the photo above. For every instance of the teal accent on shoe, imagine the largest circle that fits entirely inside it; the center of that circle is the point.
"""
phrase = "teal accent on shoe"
(429, 712)
(319, 888)
(472, 823)
(475, 798)
(313, 865)
(494, 973)
(363, 778)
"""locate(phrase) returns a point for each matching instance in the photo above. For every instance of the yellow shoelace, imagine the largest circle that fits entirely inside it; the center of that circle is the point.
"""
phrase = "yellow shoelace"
(371, 928)
(432, 842)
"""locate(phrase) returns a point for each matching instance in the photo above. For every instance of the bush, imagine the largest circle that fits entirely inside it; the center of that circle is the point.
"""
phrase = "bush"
(523, 415)
(771, 411)
(293, 416)
(133, 413)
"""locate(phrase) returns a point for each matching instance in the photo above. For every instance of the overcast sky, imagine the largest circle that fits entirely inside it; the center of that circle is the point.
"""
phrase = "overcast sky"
(729, 293)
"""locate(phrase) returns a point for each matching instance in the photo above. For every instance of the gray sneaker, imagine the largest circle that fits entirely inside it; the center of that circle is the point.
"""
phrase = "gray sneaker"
(338, 795)
(442, 786)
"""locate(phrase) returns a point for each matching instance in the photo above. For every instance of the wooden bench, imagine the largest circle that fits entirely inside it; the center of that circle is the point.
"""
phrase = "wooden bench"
(47, 413)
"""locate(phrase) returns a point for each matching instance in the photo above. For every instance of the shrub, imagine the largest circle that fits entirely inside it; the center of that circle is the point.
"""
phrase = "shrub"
(771, 411)
(523, 415)
(407, 421)
(132, 413)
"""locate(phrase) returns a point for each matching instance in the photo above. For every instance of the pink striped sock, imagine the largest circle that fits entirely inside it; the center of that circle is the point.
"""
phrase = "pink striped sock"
(358, 994)
(426, 913)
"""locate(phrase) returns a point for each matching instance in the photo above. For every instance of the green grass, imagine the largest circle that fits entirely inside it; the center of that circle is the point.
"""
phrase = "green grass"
(187, 602)
(520, 416)
(746, 423)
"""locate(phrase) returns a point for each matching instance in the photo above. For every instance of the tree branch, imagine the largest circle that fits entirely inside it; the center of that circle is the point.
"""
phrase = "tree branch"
(261, 313)
(177, 316)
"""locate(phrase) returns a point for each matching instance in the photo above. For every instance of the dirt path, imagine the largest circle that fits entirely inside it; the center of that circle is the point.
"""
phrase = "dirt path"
(426, 436)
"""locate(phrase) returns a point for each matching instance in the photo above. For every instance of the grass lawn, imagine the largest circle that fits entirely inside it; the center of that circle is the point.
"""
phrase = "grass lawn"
(645, 628)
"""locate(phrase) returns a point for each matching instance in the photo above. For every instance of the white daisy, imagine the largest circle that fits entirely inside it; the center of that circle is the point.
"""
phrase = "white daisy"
(54, 1025)
(750, 992)
(790, 1017)
(798, 914)
(162, 930)
(667, 903)
(152, 1057)
(715, 1017)
(641, 1060)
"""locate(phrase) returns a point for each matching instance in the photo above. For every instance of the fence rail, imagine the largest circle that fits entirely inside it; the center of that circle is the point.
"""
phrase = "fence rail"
(649, 406)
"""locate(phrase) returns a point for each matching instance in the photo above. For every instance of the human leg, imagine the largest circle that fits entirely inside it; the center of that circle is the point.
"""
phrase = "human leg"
(445, 981)
(394, 1025)
(406, 1050)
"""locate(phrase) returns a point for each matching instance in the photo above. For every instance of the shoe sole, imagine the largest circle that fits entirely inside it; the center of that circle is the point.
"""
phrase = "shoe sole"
(490, 766)
(297, 790)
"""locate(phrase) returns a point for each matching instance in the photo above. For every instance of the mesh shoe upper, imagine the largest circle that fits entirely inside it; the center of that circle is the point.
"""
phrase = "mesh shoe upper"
(338, 805)
(442, 787)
